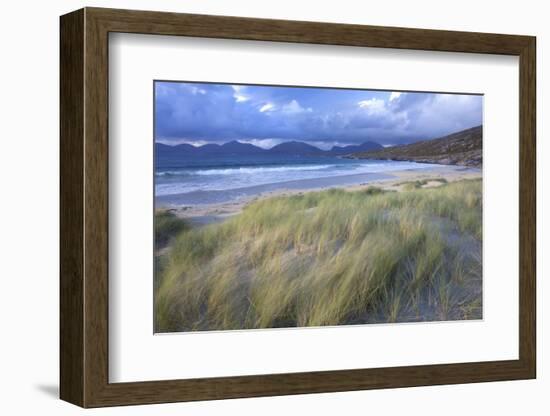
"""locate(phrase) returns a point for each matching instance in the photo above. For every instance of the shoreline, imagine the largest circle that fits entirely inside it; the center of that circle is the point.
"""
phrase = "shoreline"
(203, 214)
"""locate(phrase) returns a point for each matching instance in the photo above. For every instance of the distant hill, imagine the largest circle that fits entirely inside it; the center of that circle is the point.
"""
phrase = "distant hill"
(241, 148)
(294, 148)
(461, 148)
(237, 148)
(180, 148)
(363, 147)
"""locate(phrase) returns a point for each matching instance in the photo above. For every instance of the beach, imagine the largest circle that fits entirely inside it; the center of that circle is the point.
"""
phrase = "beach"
(402, 247)
(226, 204)
(281, 207)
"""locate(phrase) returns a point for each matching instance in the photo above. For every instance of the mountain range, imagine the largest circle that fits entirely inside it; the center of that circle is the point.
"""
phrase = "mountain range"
(461, 148)
(234, 147)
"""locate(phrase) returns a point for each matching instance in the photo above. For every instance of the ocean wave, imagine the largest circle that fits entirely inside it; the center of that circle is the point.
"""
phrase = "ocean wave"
(245, 170)
(226, 179)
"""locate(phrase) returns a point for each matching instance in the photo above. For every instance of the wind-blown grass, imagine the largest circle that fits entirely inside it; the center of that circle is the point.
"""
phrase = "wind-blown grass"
(167, 226)
(329, 258)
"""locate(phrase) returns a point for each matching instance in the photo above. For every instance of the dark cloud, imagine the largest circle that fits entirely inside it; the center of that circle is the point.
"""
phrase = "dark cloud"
(197, 112)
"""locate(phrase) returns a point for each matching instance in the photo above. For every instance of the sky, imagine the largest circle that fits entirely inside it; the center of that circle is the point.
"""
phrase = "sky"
(200, 113)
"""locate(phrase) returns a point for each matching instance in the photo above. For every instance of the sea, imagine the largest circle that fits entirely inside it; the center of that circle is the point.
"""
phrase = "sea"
(216, 178)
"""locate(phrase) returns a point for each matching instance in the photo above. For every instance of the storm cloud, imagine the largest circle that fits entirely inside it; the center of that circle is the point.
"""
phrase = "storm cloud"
(201, 113)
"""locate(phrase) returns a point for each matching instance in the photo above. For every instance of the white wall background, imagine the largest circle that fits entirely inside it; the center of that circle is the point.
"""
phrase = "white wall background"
(29, 209)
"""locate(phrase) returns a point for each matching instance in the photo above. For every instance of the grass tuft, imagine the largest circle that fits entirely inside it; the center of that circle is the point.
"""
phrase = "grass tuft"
(167, 226)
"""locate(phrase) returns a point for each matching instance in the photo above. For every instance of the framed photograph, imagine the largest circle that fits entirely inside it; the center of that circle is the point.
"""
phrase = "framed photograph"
(255, 207)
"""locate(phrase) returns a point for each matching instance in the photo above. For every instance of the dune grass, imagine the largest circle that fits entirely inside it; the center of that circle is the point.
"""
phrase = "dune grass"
(329, 258)
(167, 226)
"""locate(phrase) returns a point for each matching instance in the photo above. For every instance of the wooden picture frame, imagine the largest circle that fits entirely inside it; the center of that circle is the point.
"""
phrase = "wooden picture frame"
(84, 207)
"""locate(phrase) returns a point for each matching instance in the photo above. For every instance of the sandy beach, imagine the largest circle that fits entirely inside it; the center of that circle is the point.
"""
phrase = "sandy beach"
(400, 252)
(203, 214)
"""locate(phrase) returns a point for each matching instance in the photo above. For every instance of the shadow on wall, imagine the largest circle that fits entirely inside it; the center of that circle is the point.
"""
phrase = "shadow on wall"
(49, 390)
